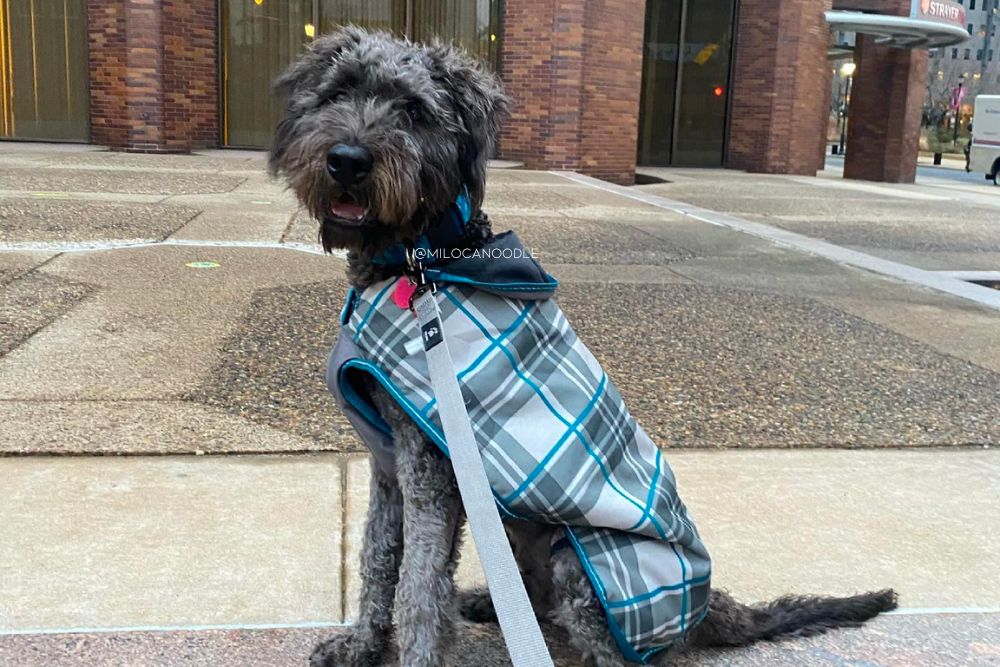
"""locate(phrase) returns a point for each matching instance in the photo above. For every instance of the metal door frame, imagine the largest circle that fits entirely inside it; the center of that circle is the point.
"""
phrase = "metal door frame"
(220, 32)
(8, 83)
(679, 80)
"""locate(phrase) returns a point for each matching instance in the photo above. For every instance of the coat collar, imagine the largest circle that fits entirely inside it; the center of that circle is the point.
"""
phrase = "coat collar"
(448, 232)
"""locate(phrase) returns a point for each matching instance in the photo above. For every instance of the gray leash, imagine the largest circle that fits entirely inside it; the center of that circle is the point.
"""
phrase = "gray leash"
(510, 600)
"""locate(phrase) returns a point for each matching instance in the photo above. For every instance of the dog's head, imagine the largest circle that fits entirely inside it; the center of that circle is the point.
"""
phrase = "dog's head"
(379, 135)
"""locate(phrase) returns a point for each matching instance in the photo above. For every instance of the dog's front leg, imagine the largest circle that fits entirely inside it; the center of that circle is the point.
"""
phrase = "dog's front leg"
(368, 640)
(432, 520)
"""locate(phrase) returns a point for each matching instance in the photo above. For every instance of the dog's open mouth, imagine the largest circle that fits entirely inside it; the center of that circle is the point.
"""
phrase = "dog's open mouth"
(346, 210)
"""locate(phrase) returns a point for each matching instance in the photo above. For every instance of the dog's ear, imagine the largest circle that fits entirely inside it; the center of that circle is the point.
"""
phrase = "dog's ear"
(297, 85)
(480, 104)
(306, 72)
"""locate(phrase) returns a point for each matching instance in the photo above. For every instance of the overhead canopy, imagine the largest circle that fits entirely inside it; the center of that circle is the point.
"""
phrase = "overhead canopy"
(905, 32)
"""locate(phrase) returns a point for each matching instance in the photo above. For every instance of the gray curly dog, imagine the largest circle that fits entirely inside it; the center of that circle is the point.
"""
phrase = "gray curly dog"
(378, 139)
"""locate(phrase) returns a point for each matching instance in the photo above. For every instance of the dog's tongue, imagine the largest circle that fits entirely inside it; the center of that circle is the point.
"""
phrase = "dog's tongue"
(347, 210)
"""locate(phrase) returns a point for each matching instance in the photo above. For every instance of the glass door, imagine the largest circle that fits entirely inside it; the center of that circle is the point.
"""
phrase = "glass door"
(43, 70)
(685, 83)
(472, 24)
(389, 15)
(261, 37)
(661, 50)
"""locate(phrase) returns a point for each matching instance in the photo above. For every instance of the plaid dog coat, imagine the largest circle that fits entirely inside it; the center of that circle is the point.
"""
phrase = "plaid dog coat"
(558, 444)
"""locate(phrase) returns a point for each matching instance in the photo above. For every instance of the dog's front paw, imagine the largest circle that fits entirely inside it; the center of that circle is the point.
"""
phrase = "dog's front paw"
(477, 606)
(347, 649)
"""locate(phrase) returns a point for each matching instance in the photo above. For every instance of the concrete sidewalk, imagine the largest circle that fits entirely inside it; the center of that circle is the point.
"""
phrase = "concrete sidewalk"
(831, 428)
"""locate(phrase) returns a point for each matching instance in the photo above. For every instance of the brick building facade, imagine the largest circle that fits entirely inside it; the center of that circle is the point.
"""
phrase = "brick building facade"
(754, 94)
(573, 69)
(154, 74)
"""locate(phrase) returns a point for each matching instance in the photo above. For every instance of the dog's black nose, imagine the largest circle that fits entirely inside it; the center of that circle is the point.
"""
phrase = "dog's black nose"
(349, 165)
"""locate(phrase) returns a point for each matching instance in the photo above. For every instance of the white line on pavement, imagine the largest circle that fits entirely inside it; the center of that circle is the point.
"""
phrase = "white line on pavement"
(306, 625)
(93, 246)
(930, 279)
(309, 625)
(971, 275)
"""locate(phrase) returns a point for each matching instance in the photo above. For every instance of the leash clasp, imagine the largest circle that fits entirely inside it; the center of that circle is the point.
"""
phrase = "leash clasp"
(417, 275)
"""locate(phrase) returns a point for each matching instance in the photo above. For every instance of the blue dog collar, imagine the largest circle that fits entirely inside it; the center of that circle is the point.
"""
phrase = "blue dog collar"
(447, 232)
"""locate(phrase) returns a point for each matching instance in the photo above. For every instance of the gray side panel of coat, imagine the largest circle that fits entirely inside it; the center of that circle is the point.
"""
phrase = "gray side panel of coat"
(377, 441)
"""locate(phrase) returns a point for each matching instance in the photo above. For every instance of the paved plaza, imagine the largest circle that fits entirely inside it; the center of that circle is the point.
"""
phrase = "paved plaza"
(179, 489)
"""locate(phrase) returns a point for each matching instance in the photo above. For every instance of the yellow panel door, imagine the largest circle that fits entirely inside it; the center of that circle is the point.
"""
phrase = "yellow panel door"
(260, 38)
(43, 70)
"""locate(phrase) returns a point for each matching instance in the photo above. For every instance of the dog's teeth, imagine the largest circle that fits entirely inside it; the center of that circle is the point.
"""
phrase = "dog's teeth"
(347, 210)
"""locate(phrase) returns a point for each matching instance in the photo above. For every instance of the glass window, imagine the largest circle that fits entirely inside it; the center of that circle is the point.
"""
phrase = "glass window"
(387, 15)
(43, 70)
(261, 37)
(701, 113)
(259, 40)
(472, 24)
(659, 82)
(685, 88)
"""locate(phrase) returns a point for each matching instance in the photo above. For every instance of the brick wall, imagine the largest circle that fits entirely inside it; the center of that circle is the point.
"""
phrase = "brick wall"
(191, 73)
(153, 74)
(573, 69)
(107, 53)
(883, 132)
(780, 86)
(894, 7)
(612, 83)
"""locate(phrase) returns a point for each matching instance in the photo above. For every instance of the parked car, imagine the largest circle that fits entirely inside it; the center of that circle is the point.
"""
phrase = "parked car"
(984, 156)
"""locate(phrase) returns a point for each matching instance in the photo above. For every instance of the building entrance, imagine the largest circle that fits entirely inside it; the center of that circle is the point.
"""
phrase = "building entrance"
(261, 37)
(685, 82)
(43, 70)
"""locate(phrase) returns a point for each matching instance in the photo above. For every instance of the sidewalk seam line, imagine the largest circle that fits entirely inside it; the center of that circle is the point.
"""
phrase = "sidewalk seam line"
(174, 628)
(343, 540)
(305, 625)
(984, 296)
(130, 244)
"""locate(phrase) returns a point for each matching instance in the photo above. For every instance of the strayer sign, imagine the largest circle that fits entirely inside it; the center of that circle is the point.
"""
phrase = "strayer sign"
(942, 11)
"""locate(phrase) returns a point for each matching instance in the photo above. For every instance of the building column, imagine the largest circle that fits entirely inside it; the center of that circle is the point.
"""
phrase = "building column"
(824, 116)
(883, 133)
(153, 74)
(779, 88)
(573, 69)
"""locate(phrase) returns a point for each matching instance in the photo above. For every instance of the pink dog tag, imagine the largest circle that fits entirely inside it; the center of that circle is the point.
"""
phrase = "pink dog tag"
(404, 290)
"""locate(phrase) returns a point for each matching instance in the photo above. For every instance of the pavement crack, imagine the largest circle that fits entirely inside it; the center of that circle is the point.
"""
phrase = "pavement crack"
(32, 314)
(289, 225)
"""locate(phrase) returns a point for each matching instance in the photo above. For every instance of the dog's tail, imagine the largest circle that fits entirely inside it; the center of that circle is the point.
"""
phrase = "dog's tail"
(731, 623)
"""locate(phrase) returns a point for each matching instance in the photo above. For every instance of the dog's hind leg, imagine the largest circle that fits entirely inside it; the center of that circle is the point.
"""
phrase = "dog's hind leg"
(530, 543)
(432, 523)
(368, 639)
(578, 611)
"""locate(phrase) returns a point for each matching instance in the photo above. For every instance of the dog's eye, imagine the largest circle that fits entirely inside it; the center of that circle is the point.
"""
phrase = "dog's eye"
(414, 110)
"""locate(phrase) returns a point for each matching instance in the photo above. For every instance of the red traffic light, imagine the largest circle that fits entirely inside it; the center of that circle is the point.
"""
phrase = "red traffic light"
(718, 90)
